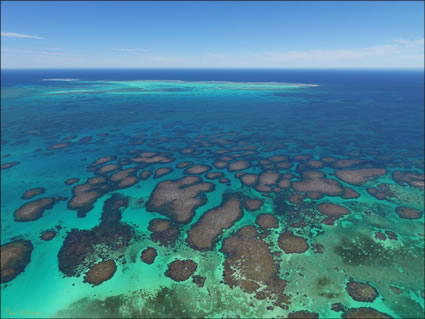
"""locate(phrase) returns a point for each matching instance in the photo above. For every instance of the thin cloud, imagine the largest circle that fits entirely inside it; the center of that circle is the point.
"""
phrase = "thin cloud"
(19, 35)
(410, 43)
(399, 53)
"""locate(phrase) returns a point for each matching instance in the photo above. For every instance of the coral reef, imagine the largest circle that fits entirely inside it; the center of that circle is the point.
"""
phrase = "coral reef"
(204, 234)
(292, 244)
(361, 291)
(33, 192)
(100, 272)
(33, 210)
(181, 270)
(178, 199)
(15, 256)
(164, 231)
(249, 264)
(148, 255)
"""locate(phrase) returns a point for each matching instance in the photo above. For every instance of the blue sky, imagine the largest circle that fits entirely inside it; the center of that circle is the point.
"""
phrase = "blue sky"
(79, 34)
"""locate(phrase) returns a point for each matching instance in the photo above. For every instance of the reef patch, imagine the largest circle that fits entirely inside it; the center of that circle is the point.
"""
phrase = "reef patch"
(204, 234)
(361, 291)
(249, 265)
(178, 199)
(33, 210)
(181, 270)
(148, 255)
(100, 272)
(81, 249)
(359, 176)
(292, 244)
(15, 256)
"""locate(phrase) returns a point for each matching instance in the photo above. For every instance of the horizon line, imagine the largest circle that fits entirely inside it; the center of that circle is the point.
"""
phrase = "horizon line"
(216, 68)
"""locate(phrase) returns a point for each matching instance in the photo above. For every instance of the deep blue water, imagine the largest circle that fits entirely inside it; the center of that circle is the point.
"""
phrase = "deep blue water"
(412, 80)
(382, 97)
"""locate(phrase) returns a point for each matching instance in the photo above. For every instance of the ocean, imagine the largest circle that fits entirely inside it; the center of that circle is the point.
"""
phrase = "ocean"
(172, 193)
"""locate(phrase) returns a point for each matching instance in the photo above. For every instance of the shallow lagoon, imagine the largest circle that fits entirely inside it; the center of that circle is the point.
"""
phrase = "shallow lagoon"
(277, 133)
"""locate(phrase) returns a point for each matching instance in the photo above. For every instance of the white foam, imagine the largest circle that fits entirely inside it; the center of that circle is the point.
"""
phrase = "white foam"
(60, 79)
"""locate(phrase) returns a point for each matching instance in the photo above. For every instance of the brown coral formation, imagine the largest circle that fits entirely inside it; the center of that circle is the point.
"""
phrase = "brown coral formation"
(315, 164)
(107, 169)
(249, 264)
(359, 176)
(48, 235)
(85, 195)
(81, 188)
(382, 191)
(97, 180)
(164, 231)
(152, 158)
(34, 209)
(338, 307)
(199, 280)
(224, 180)
(100, 272)
(266, 180)
(184, 164)
(413, 179)
(292, 244)
(197, 169)
(162, 171)
(214, 175)
(84, 199)
(181, 270)
(283, 165)
(9, 164)
(303, 314)
(178, 199)
(15, 256)
(33, 192)
(72, 180)
(391, 235)
(103, 160)
(239, 165)
(249, 179)
(328, 159)
(278, 158)
(253, 204)
(380, 236)
(220, 164)
(346, 163)
(122, 174)
(361, 291)
(296, 198)
(59, 145)
(81, 248)
(364, 313)
(127, 182)
(269, 178)
(266, 221)
(350, 193)
(332, 210)
(145, 174)
(408, 212)
(284, 183)
(204, 234)
(315, 182)
(148, 255)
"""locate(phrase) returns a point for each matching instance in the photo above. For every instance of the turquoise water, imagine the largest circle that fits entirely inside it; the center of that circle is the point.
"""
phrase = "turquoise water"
(375, 119)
